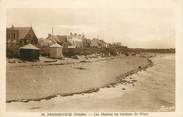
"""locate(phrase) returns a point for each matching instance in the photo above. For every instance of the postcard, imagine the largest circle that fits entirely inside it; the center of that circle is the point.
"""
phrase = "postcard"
(91, 58)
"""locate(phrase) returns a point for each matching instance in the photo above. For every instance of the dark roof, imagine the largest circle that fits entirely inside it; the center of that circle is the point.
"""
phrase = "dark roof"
(22, 31)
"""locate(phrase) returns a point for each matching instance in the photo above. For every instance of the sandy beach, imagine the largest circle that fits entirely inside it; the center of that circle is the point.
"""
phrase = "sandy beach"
(26, 83)
(154, 90)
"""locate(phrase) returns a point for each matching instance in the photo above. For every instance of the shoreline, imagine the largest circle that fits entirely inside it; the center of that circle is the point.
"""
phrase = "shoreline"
(50, 61)
(120, 80)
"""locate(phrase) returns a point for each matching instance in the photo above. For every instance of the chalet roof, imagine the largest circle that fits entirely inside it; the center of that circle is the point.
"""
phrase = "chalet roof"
(56, 45)
(29, 46)
(22, 31)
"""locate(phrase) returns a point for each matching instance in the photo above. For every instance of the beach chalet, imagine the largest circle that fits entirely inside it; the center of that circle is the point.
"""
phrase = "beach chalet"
(56, 51)
(29, 52)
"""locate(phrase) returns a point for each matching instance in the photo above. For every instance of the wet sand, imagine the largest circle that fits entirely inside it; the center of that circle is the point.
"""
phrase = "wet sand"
(44, 82)
(154, 90)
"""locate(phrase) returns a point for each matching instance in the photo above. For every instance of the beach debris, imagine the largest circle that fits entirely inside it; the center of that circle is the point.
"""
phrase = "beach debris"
(80, 68)
(83, 61)
(133, 80)
(93, 56)
(133, 54)
(133, 84)
(108, 86)
(113, 84)
(124, 81)
(11, 61)
(123, 88)
(82, 92)
(36, 107)
(48, 61)
(126, 54)
(75, 57)
(24, 100)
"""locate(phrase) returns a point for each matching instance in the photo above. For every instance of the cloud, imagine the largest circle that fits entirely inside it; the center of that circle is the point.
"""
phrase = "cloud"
(77, 28)
(137, 27)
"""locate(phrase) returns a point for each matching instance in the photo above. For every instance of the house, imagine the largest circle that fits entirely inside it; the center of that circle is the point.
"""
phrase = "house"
(56, 51)
(96, 43)
(45, 43)
(86, 43)
(60, 39)
(19, 36)
(52, 39)
(75, 40)
(29, 52)
(42, 42)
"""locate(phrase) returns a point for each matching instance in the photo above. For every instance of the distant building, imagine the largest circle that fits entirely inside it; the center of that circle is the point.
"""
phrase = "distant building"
(42, 42)
(56, 51)
(86, 43)
(96, 43)
(19, 36)
(60, 39)
(117, 43)
(67, 41)
(29, 52)
(75, 40)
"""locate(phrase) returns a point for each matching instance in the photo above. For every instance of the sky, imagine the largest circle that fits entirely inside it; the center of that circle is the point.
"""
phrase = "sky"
(134, 27)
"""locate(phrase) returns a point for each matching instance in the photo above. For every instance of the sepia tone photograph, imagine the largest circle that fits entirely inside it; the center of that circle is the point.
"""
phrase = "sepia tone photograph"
(90, 59)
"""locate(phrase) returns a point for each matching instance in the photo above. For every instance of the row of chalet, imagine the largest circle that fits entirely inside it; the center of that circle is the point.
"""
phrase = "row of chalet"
(23, 42)
(72, 41)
